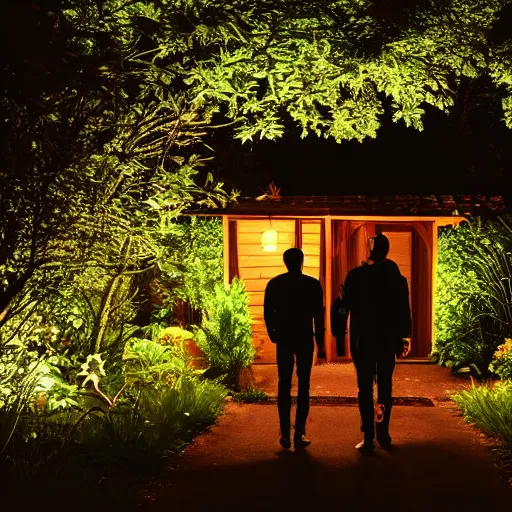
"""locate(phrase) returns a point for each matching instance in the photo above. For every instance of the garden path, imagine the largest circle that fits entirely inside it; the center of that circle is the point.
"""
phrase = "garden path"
(339, 380)
(437, 462)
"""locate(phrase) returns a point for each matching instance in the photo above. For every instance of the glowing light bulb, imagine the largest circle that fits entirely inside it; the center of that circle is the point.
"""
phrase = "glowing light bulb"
(269, 240)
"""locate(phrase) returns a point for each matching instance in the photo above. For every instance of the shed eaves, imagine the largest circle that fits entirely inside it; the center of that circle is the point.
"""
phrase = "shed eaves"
(400, 205)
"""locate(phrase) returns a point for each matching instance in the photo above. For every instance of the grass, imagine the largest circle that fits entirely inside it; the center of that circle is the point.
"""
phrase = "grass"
(489, 408)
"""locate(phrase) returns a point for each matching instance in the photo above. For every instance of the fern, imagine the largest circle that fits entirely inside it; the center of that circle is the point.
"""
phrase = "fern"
(225, 333)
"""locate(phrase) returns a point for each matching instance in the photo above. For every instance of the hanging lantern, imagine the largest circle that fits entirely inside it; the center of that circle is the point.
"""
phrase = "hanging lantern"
(269, 240)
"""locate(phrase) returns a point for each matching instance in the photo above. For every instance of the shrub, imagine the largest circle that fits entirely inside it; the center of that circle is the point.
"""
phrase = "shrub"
(489, 409)
(162, 403)
(250, 396)
(155, 420)
(183, 343)
(19, 376)
(473, 293)
(172, 415)
(225, 333)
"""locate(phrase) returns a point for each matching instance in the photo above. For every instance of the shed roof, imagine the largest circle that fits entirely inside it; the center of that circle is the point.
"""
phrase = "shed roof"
(398, 205)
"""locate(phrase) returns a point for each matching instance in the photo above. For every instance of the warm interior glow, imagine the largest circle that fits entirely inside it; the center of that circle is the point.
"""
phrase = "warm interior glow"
(269, 240)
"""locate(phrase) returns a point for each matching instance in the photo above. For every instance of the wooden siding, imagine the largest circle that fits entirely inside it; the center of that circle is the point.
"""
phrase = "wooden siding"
(311, 247)
(256, 267)
(411, 247)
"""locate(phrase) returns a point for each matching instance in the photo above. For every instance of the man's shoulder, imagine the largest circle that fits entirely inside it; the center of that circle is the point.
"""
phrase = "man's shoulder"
(286, 280)
(390, 265)
(310, 283)
(356, 272)
(311, 280)
(277, 279)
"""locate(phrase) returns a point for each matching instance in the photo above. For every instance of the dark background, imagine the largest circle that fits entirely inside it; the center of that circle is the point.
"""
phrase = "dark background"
(466, 151)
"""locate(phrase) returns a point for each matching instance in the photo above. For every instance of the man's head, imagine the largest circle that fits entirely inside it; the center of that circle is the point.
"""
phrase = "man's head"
(293, 259)
(379, 247)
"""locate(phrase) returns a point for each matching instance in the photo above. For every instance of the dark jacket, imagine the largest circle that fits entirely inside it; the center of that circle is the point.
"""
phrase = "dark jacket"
(293, 301)
(377, 297)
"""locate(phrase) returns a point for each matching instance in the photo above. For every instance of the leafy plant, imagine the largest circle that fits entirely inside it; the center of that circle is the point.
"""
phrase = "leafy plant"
(190, 273)
(173, 414)
(18, 380)
(52, 392)
(174, 335)
(149, 362)
(225, 333)
(490, 409)
(201, 260)
(250, 396)
(501, 363)
(473, 300)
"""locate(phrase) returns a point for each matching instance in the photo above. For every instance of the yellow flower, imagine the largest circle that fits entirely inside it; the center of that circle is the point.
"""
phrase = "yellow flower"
(504, 349)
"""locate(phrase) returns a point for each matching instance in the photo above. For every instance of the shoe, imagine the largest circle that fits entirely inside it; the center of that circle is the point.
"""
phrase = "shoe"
(301, 442)
(285, 442)
(384, 441)
(365, 446)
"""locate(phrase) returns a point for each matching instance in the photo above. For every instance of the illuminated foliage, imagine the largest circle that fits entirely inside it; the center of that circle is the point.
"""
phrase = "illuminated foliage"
(106, 106)
(330, 66)
(501, 71)
(104, 109)
(473, 293)
(490, 409)
(225, 333)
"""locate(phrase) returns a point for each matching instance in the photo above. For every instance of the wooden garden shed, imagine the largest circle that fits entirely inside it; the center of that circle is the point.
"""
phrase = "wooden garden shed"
(333, 233)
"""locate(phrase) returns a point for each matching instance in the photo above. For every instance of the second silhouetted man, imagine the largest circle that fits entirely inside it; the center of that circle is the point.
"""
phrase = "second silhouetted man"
(377, 296)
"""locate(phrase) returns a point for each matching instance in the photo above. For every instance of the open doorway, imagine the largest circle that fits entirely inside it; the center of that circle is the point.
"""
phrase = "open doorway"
(411, 249)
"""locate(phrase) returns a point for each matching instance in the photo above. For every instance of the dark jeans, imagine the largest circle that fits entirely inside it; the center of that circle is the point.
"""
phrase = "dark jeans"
(286, 357)
(371, 362)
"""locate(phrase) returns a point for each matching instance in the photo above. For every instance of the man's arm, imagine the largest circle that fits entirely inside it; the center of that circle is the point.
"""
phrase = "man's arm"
(346, 291)
(318, 318)
(269, 311)
(339, 316)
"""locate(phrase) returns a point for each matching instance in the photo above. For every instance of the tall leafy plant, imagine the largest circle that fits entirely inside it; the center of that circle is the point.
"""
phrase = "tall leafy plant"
(473, 303)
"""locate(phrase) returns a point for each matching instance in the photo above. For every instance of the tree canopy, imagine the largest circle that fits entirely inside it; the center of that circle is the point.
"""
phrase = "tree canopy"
(106, 104)
(329, 66)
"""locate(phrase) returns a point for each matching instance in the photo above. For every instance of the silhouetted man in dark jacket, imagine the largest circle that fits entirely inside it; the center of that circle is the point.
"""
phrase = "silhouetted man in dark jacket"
(377, 296)
(293, 301)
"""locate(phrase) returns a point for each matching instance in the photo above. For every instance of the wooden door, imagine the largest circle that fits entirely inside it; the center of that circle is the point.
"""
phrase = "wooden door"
(401, 252)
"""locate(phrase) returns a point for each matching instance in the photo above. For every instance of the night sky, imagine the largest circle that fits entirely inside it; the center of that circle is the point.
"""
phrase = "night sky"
(453, 155)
